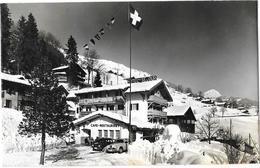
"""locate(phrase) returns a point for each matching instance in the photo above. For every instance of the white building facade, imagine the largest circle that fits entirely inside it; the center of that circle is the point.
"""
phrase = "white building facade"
(105, 111)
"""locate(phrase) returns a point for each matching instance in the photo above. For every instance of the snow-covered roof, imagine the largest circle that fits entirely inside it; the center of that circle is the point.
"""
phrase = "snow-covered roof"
(104, 88)
(72, 105)
(60, 73)
(60, 67)
(144, 86)
(14, 78)
(115, 116)
(71, 94)
(65, 85)
(220, 103)
(176, 110)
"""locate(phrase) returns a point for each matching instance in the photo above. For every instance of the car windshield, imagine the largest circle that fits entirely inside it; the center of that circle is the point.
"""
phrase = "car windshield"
(119, 141)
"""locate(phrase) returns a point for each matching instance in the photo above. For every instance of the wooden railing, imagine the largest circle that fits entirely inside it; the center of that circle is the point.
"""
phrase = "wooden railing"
(156, 113)
(101, 100)
(84, 113)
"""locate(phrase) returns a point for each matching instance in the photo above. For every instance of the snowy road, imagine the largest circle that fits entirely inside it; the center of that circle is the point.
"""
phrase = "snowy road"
(71, 156)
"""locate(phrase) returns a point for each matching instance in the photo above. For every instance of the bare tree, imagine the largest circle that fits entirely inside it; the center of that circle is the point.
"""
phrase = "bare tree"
(90, 62)
(213, 111)
(223, 110)
(208, 127)
(232, 145)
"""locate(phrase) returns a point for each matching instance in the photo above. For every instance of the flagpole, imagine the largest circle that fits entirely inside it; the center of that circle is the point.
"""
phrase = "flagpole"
(130, 62)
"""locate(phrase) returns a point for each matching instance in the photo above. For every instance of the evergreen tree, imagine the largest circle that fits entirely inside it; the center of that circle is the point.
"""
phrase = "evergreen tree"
(72, 59)
(97, 81)
(30, 54)
(17, 44)
(48, 112)
(72, 54)
(6, 24)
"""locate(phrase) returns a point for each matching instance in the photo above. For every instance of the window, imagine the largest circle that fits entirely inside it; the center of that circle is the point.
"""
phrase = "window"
(8, 91)
(170, 121)
(100, 108)
(192, 122)
(121, 107)
(135, 106)
(3, 94)
(88, 108)
(8, 103)
(110, 107)
(105, 133)
(118, 136)
(111, 132)
(99, 133)
(188, 122)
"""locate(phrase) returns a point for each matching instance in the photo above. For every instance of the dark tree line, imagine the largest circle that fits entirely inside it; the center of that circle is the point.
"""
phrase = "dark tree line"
(21, 43)
(25, 49)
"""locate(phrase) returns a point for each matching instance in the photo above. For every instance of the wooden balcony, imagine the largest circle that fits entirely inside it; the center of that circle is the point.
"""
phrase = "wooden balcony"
(156, 113)
(101, 100)
(84, 113)
(157, 100)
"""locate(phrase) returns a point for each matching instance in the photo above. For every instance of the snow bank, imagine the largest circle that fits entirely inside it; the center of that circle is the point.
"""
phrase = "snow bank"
(168, 145)
(170, 149)
(13, 141)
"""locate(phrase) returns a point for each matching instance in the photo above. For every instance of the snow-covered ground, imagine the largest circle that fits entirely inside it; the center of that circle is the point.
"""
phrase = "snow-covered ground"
(169, 149)
(12, 141)
(243, 125)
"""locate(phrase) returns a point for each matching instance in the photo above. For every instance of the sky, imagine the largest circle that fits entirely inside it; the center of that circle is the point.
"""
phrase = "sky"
(201, 45)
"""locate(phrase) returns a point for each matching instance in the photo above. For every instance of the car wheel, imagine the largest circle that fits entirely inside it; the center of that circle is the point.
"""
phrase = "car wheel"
(121, 150)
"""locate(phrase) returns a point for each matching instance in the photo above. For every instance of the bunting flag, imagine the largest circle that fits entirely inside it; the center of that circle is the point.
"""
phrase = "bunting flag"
(112, 21)
(135, 20)
(92, 41)
(97, 37)
(102, 31)
(109, 24)
(86, 46)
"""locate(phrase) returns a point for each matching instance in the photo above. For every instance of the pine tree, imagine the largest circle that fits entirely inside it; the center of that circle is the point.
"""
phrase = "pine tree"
(6, 24)
(30, 54)
(72, 54)
(97, 81)
(17, 44)
(72, 59)
(47, 111)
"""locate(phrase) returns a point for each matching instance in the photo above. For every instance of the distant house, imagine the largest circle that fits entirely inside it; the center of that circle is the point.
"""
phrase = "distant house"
(207, 101)
(183, 116)
(64, 74)
(221, 104)
(13, 90)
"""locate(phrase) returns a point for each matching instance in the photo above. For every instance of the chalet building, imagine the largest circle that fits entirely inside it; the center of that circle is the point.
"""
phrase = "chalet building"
(13, 87)
(207, 101)
(64, 74)
(104, 111)
(221, 104)
(183, 116)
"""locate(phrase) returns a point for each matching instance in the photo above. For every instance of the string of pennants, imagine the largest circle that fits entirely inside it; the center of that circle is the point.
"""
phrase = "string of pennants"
(100, 33)
(135, 20)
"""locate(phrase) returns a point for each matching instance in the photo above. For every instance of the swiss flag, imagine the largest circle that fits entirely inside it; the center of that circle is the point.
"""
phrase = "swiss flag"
(135, 19)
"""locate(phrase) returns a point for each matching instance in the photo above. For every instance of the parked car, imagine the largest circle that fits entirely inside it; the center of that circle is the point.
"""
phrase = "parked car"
(120, 146)
(99, 144)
